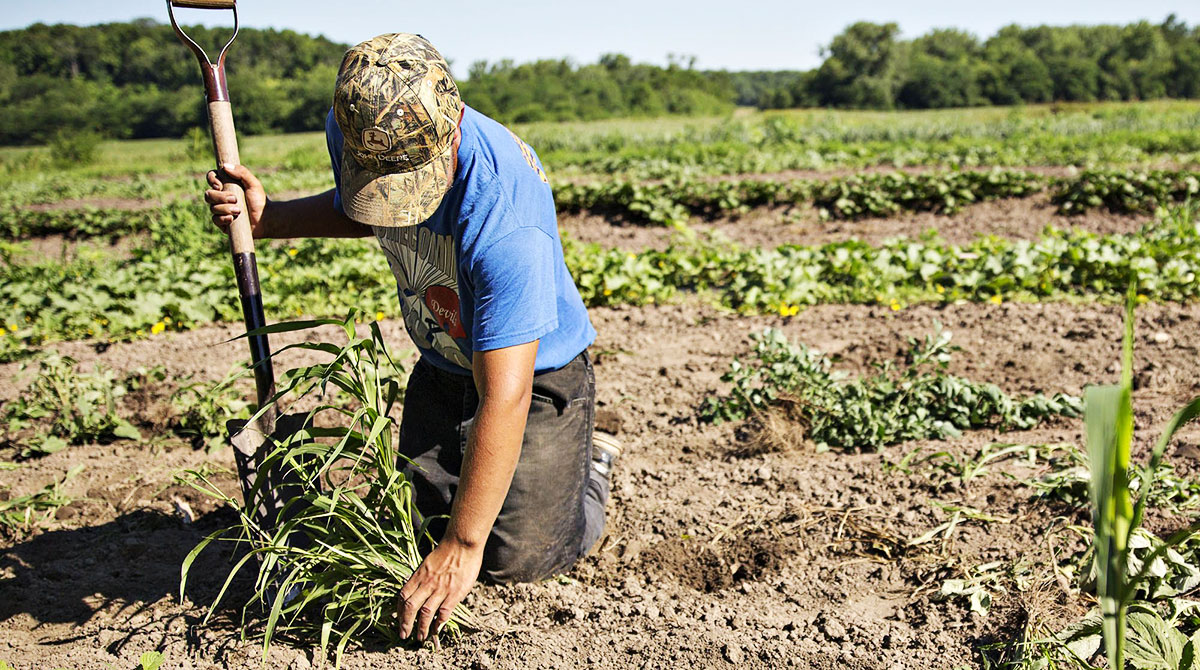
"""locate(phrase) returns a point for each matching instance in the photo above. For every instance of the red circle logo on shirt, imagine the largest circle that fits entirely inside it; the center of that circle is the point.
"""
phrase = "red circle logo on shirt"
(443, 302)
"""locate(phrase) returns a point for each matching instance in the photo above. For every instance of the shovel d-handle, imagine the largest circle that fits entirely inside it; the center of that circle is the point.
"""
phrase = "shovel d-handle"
(241, 240)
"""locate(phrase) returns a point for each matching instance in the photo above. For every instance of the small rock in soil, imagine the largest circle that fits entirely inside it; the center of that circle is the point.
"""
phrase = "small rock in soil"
(733, 652)
(833, 630)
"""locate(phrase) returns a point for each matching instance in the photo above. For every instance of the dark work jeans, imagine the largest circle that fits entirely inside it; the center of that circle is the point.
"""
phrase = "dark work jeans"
(554, 511)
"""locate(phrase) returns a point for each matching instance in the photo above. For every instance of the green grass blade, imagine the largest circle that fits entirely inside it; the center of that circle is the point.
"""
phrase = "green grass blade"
(1106, 410)
(191, 557)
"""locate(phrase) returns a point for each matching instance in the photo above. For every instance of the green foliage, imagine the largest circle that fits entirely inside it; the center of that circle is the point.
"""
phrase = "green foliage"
(69, 148)
(866, 66)
(1162, 258)
(181, 277)
(151, 660)
(1068, 478)
(916, 401)
(135, 80)
(549, 90)
(39, 185)
(197, 144)
(62, 406)
(351, 504)
(672, 201)
(948, 470)
(883, 195)
(22, 513)
(19, 223)
(203, 408)
(1082, 135)
(1126, 191)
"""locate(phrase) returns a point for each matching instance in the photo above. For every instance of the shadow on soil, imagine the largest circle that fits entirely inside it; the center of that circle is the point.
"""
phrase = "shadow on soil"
(127, 568)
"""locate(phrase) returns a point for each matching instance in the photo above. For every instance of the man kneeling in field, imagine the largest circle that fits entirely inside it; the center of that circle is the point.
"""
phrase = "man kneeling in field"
(499, 410)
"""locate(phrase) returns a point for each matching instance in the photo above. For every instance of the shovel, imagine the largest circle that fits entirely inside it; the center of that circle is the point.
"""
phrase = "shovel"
(252, 440)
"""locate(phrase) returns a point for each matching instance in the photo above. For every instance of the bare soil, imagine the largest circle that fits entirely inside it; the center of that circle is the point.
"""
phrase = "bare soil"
(785, 559)
(1012, 218)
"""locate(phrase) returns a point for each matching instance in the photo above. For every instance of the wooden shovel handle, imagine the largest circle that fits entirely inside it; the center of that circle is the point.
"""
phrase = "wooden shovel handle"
(245, 268)
(220, 115)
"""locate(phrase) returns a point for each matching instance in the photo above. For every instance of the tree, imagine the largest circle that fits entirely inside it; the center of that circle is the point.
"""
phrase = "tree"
(861, 67)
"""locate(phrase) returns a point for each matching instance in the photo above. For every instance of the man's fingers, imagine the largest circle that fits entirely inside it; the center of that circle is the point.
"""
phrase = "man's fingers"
(213, 181)
(242, 174)
(443, 617)
(215, 197)
(230, 210)
(410, 608)
(426, 614)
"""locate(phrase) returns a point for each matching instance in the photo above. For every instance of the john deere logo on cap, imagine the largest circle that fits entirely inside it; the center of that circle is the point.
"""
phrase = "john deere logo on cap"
(376, 139)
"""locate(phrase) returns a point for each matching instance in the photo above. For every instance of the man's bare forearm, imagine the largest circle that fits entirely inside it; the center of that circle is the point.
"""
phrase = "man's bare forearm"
(494, 445)
(313, 216)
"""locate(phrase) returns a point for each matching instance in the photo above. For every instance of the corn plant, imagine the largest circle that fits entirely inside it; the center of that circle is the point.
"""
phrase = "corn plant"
(331, 562)
(1108, 417)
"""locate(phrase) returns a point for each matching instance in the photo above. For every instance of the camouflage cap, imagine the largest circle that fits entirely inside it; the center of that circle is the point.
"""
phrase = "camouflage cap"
(398, 108)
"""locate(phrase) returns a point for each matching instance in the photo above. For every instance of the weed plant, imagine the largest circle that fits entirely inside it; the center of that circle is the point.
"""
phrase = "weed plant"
(331, 562)
(63, 406)
(20, 514)
(203, 408)
(918, 400)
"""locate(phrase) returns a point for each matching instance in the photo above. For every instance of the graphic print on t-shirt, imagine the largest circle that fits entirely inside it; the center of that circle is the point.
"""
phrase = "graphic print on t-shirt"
(427, 276)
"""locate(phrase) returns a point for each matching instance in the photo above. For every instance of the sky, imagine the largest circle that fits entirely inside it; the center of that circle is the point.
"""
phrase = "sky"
(725, 34)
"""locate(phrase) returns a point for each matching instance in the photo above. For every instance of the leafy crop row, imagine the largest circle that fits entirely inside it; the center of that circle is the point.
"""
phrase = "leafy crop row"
(181, 277)
(18, 223)
(1164, 258)
(878, 195)
(1116, 135)
(673, 201)
(1126, 192)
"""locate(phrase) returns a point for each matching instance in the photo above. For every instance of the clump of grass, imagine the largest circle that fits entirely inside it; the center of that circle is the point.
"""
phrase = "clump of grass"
(331, 562)
(918, 400)
(74, 148)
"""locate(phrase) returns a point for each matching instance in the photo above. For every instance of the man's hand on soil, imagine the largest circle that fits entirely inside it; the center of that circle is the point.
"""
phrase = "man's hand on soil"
(440, 583)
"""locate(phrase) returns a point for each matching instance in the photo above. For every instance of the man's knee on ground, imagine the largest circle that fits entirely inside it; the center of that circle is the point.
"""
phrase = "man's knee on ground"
(508, 565)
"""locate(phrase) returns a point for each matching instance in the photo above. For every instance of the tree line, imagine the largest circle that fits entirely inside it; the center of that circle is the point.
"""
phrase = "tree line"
(131, 80)
(867, 66)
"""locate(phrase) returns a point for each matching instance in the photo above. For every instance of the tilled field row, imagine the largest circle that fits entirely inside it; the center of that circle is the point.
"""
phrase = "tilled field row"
(784, 558)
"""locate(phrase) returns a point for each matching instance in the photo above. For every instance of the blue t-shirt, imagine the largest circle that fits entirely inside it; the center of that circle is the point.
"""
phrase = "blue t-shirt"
(486, 270)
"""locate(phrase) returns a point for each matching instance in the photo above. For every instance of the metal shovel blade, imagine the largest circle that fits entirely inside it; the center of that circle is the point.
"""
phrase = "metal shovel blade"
(252, 443)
